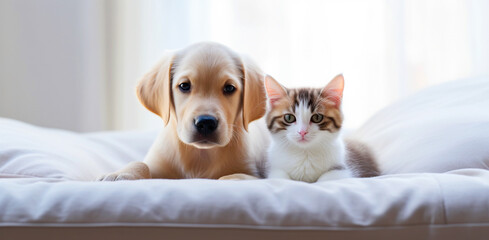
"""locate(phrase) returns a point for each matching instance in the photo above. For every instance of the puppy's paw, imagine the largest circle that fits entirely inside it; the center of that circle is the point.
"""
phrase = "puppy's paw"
(133, 171)
(238, 176)
(118, 177)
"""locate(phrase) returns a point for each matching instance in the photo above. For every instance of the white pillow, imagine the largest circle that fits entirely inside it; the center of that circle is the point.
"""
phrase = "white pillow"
(29, 151)
(439, 129)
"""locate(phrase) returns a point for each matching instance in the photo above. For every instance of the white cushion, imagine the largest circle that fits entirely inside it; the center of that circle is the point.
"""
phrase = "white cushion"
(428, 201)
(442, 128)
(29, 151)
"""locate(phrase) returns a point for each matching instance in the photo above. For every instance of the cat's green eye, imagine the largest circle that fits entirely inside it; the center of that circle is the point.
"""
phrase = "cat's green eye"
(289, 118)
(316, 118)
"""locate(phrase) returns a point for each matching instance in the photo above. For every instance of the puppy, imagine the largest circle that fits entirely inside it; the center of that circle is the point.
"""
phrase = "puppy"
(208, 98)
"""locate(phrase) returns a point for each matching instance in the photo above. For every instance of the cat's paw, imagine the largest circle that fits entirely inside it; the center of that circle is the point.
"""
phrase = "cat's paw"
(238, 176)
(334, 175)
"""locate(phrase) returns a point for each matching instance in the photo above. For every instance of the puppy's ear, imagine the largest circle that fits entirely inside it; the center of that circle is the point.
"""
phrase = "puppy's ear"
(154, 90)
(254, 97)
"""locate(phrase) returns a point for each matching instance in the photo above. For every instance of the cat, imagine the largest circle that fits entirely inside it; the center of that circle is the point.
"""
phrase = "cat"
(305, 128)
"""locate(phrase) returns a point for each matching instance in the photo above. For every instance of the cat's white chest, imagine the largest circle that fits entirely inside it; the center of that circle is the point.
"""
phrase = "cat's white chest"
(308, 168)
(305, 165)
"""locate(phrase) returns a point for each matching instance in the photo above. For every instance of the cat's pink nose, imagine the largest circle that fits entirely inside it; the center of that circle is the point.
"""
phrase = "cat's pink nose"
(302, 133)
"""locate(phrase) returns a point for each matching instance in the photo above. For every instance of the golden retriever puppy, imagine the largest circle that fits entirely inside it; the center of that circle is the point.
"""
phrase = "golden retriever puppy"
(208, 98)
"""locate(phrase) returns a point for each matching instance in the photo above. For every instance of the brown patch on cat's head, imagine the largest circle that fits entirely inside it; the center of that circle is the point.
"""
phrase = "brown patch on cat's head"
(325, 101)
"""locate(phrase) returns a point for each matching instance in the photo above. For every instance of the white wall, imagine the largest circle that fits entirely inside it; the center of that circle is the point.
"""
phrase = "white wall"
(52, 63)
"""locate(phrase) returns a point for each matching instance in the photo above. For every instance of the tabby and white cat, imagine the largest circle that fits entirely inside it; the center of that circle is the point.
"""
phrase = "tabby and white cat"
(305, 126)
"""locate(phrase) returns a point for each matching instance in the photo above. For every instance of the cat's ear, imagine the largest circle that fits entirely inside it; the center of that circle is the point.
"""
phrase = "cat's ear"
(334, 90)
(275, 91)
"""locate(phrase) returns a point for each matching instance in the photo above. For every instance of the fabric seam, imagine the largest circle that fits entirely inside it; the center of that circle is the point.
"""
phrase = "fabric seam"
(444, 209)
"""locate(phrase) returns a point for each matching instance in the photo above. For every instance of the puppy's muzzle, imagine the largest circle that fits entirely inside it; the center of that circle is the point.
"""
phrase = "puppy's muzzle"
(205, 125)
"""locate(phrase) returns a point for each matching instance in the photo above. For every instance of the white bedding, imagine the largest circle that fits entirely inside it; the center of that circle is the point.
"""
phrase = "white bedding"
(45, 181)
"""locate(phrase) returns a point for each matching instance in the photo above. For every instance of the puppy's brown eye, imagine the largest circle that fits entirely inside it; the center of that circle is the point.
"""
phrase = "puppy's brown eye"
(316, 118)
(228, 89)
(184, 87)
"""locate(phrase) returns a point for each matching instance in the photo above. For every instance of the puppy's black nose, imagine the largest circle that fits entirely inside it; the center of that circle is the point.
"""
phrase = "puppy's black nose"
(205, 124)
